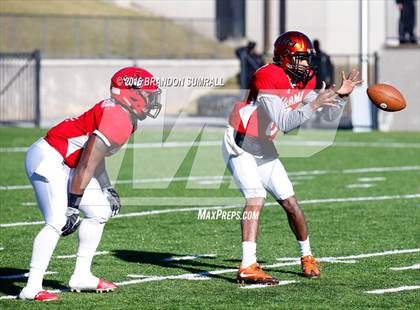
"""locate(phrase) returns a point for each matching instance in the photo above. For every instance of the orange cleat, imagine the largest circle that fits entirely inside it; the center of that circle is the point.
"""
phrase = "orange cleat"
(309, 267)
(254, 275)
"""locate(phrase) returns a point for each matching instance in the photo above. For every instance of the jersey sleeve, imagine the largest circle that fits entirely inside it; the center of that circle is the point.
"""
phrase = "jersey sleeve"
(114, 125)
(263, 83)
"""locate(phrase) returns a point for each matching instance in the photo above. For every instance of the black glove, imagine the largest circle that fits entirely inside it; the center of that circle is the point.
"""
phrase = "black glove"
(72, 213)
(114, 200)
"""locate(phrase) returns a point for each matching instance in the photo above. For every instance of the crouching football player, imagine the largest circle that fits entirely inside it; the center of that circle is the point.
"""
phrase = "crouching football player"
(67, 171)
(276, 90)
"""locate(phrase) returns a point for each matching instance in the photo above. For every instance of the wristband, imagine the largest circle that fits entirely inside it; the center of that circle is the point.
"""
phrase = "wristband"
(74, 200)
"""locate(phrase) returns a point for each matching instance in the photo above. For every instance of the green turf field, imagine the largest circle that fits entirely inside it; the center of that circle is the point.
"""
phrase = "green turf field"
(361, 198)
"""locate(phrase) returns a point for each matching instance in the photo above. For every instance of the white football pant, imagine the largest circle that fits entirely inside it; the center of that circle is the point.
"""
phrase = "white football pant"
(50, 179)
(255, 176)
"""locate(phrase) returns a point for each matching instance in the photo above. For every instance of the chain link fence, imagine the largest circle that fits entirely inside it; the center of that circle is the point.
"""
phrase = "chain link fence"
(63, 36)
(19, 88)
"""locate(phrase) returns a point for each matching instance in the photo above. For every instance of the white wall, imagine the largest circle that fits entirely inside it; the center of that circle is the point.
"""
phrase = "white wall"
(69, 87)
(336, 23)
(400, 67)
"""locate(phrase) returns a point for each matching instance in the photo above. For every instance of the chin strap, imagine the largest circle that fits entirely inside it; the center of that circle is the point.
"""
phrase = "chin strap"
(133, 116)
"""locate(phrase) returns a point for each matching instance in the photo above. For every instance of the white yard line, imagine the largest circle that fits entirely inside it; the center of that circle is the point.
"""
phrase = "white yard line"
(354, 199)
(394, 289)
(221, 178)
(381, 169)
(351, 258)
(164, 211)
(205, 275)
(360, 185)
(373, 179)
(190, 257)
(393, 252)
(307, 143)
(137, 276)
(176, 210)
(377, 144)
(74, 255)
(50, 291)
(21, 224)
(14, 187)
(186, 276)
(281, 283)
(21, 275)
(29, 203)
(413, 267)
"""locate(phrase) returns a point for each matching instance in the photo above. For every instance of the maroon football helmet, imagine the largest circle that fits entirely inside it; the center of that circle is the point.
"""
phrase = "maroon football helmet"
(291, 47)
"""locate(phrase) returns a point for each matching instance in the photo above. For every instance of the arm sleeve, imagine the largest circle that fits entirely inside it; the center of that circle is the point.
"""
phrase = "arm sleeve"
(332, 113)
(311, 96)
(285, 120)
(102, 176)
(328, 113)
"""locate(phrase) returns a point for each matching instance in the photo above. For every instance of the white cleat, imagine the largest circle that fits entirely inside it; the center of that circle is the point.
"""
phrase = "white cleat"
(40, 295)
(92, 284)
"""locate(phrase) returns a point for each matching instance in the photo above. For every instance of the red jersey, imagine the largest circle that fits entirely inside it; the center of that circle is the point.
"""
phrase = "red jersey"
(250, 119)
(106, 119)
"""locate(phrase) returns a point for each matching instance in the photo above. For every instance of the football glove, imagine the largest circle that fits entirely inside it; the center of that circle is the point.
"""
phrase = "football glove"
(114, 200)
(72, 213)
(72, 223)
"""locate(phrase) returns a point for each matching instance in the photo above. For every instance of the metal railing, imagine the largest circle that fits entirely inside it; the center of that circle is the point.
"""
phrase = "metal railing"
(20, 87)
(90, 36)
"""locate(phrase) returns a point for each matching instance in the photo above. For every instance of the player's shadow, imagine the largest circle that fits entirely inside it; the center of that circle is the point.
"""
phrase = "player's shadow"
(238, 261)
(161, 260)
(300, 274)
(13, 285)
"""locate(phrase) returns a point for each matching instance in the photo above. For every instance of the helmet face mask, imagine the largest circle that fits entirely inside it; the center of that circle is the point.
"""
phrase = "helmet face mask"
(152, 106)
(291, 50)
(297, 71)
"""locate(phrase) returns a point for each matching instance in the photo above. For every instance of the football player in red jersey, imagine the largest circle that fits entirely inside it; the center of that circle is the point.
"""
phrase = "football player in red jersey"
(67, 171)
(275, 92)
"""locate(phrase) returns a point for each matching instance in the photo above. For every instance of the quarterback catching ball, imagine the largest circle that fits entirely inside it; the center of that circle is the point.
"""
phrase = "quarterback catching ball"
(275, 92)
(67, 171)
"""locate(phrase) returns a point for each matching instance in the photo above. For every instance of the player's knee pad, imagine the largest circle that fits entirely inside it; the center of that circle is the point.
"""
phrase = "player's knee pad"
(97, 219)
(57, 223)
(99, 214)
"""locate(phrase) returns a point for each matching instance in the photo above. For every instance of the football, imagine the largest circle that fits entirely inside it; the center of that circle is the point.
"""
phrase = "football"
(386, 97)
